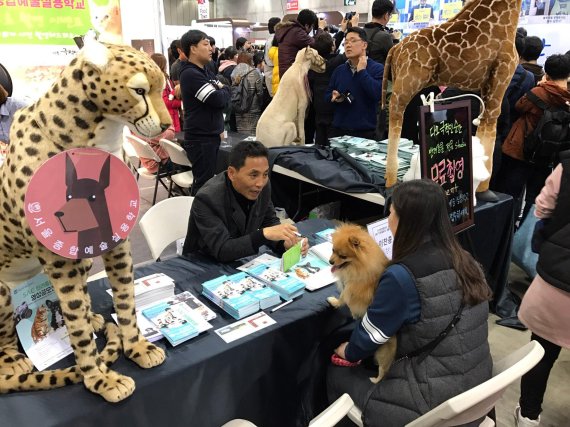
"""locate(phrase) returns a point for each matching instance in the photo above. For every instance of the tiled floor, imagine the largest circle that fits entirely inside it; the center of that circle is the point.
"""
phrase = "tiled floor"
(556, 407)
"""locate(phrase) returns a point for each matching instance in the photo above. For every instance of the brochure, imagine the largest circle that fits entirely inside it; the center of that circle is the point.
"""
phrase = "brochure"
(152, 288)
(39, 322)
(313, 271)
(177, 322)
(245, 327)
(291, 257)
(151, 332)
(230, 296)
(325, 235)
(257, 289)
(286, 285)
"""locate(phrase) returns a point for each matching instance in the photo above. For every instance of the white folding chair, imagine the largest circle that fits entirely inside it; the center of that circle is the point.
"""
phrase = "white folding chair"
(165, 222)
(478, 401)
(178, 156)
(328, 418)
(129, 154)
(145, 151)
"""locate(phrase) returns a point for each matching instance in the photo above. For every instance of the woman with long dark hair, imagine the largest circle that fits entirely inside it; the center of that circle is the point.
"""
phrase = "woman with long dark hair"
(433, 297)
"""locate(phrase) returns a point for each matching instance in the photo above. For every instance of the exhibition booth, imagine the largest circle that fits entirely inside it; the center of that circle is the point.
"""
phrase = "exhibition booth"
(251, 338)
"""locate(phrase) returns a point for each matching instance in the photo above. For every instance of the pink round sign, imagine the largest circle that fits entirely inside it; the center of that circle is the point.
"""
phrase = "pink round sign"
(82, 203)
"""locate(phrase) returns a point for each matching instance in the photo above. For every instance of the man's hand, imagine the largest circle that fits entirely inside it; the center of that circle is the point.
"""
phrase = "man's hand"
(335, 96)
(396, 34)
(322, 23)
(355, 19)
(362, 63)
(343, 24)
(304, 245)
(341, 349)
(285, 232)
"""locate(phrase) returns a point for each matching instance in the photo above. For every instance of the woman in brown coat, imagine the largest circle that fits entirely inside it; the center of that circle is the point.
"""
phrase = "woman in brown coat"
(516, 172)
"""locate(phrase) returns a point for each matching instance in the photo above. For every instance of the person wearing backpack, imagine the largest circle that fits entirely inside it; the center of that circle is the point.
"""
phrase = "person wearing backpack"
(517, 171)
(380, 40)
(247, 94)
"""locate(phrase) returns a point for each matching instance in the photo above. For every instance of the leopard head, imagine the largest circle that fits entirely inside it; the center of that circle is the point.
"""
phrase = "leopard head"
(125, 85)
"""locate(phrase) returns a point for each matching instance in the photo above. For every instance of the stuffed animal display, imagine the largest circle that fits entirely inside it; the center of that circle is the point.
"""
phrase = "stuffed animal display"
(473, 51)
(283, 121)
(104, 88)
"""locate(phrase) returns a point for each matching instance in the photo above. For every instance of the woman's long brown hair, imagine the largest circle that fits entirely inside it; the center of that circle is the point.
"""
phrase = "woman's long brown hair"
(421, 207)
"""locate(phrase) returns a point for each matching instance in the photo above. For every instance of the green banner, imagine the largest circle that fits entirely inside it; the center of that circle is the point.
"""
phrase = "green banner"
(50, 22)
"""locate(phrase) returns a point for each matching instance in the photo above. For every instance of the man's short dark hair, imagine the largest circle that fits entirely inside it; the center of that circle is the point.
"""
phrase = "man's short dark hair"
(520, 43)
(212, 41)
(557, 67)
(361, 33)
(522, 31)
(532, 49)
(240, 42)
(382, 7)
(246, 149)
(230, 52)
(257, 58)
(272, 23)
(191, 38)
(3, 95)
(174, 49)
(323, 44)
(308, 17)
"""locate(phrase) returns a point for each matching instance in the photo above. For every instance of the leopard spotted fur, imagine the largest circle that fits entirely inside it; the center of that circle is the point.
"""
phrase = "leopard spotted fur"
(104, 88)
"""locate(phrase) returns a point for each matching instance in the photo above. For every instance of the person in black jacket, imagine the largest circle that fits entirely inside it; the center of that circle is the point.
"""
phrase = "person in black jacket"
(232, 216)
(380, 40)
(204, 99)
(319, 82)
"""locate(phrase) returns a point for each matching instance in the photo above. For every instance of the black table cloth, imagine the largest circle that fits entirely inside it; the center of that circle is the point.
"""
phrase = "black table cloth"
(203, 382)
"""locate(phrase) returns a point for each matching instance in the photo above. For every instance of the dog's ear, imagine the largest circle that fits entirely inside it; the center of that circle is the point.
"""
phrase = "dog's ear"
(354, 241)
(70, 172)
(105, 173)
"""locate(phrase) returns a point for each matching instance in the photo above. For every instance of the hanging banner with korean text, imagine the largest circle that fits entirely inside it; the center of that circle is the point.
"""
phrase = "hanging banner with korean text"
(82, 203)
(445, 150)
(37, 37)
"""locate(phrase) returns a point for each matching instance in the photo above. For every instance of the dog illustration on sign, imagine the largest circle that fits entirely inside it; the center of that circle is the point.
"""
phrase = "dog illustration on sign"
(85, 210)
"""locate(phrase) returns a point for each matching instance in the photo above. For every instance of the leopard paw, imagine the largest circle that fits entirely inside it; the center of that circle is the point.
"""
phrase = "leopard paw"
(97, 321)
(110, 385)
(12, 362)
(333, 301)
(145, 354)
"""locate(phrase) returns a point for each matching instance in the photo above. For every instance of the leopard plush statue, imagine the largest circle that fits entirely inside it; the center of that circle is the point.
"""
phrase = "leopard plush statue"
(104, 88)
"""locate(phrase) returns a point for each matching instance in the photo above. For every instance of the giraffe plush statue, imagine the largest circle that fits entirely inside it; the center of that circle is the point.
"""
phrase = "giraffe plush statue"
(473, 51)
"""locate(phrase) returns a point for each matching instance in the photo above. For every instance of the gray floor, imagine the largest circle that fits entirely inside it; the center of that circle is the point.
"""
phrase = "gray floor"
(556, 412)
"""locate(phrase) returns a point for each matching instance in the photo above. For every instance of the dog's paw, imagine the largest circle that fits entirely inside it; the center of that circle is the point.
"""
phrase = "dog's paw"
(334, 301)
(376, 380)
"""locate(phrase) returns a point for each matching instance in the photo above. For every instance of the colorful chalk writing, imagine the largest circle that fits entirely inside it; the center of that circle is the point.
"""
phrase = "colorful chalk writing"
(446, 157)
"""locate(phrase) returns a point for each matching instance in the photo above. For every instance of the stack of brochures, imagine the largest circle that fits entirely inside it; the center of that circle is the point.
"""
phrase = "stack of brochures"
(151, 288)
(239, 295)
(372, 154)
(325, 235)
(285, 284)
(151, 332)
(176, 320)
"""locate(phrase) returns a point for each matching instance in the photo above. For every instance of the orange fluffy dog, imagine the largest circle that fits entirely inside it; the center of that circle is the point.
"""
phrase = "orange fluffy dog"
(359, 262)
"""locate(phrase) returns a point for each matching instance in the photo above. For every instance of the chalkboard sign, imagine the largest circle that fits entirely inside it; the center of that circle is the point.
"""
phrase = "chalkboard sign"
(445, 150)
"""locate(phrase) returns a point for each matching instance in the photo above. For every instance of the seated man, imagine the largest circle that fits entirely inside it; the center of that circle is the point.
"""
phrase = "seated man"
(232, 215)
(355, 89)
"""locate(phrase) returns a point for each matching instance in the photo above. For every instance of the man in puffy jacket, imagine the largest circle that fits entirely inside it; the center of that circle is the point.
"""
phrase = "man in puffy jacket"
(293, 36)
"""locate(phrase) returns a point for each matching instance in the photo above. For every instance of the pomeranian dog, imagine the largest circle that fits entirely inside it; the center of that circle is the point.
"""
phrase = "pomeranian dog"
(358, 262)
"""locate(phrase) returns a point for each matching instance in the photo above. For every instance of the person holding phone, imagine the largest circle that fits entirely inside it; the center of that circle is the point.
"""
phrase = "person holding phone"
(355, 89)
